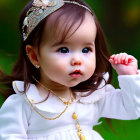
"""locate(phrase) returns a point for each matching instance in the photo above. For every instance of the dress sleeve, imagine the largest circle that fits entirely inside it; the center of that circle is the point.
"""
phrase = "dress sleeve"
(14, 116)
(123, 103)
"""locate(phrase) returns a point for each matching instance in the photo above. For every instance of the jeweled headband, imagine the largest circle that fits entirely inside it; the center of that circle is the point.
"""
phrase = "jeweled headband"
(39, 10)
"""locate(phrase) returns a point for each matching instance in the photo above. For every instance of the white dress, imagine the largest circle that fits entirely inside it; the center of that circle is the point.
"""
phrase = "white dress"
(18, 120)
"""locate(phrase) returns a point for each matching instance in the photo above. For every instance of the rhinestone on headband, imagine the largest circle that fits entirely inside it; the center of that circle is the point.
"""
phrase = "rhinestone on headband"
(39, 10)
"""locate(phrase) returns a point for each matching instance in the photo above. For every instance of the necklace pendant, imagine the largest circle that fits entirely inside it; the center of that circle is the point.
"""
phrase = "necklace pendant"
(81, 136)
(79, 133)
(74, 116)
(67, 103)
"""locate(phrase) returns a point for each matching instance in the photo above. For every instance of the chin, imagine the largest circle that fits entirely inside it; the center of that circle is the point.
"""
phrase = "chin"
(73, 84)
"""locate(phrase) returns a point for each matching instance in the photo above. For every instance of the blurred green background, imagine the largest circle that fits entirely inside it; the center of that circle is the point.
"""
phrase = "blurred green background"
(120, 20)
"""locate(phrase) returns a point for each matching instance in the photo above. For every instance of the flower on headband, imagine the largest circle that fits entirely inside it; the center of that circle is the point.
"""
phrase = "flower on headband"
(44, 3)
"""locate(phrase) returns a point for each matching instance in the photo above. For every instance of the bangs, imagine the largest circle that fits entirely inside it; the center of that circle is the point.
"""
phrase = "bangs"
(63, 23)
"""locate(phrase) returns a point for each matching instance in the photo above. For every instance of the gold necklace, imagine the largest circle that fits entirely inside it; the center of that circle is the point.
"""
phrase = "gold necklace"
(38, 111)
(60, 98)
(74, 116)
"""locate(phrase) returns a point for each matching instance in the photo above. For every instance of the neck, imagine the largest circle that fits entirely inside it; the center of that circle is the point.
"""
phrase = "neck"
(57, 89)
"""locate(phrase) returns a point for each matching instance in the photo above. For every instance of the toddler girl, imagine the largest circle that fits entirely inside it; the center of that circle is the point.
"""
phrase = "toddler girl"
(62, 78)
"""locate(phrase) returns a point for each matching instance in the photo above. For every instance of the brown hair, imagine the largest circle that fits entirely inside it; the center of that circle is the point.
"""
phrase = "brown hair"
(23, 70)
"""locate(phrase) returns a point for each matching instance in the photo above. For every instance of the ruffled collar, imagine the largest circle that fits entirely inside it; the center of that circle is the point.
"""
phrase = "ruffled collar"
(34, 97)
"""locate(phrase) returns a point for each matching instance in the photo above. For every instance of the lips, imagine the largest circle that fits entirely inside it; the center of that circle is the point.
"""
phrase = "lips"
(76, 74)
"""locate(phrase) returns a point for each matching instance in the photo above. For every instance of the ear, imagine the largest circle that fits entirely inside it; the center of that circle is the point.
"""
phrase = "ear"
(32, 55)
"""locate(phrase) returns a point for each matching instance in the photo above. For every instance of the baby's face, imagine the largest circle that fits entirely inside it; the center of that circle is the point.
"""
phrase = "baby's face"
(72, 62)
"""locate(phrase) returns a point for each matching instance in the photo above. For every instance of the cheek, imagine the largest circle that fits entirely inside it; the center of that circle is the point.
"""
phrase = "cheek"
(91, 65)
(91, 61)
(57, 64)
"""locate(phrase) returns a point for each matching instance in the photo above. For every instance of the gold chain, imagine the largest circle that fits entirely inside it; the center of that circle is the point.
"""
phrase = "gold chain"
(60, 98)
(79, 130)
(38, 111)
(43, 115)
(74, 116)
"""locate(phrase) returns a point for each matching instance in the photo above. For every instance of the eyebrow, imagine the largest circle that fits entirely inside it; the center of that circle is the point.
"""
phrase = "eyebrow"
(57, 43)
(90, 44)
(61, 42)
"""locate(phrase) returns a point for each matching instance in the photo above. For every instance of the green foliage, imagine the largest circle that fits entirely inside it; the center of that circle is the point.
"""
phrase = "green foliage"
(120, 130)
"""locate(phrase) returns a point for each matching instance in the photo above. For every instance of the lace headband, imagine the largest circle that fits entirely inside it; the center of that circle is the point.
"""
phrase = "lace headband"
(39, 10)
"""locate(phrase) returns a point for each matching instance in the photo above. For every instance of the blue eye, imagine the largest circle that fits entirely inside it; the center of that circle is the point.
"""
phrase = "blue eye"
(86, 50)
(63, 50)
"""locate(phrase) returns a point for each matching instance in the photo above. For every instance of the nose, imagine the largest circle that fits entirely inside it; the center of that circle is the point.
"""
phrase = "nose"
(76, 62)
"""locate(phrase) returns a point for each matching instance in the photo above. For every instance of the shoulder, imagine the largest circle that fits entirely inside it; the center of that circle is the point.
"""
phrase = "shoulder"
(17, 100)
(14, 103)
(16, 113)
